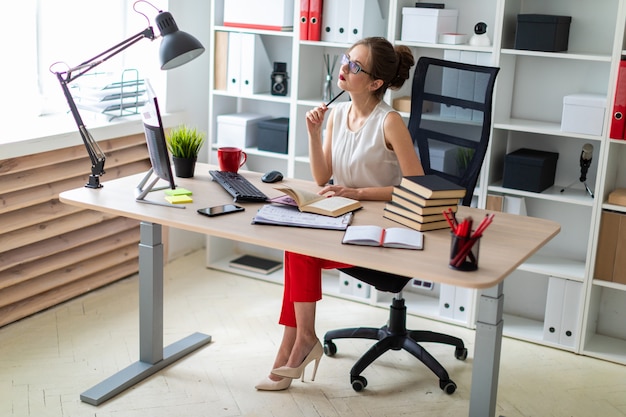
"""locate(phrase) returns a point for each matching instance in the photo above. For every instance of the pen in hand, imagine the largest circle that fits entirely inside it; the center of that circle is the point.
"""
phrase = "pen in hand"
(335, 98)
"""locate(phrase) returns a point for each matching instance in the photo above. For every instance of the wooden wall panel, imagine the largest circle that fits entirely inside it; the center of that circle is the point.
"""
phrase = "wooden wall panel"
(51, 252)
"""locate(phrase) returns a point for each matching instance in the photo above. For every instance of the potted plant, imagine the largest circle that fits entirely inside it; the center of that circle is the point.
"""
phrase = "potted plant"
(184, 143)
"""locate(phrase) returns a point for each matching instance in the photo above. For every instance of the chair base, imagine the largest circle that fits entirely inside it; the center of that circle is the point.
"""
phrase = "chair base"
(395, 336)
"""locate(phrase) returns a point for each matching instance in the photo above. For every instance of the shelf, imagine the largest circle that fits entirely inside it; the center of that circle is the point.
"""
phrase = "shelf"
(259, 96)
(522, 328)
(614, 207)
(556, 267)
(461, 47)
(570, 195)
(223, 265)
(559, 55)
(268, 154)
(609, 284)
(285, 33)
(541, 128)
(607, 348)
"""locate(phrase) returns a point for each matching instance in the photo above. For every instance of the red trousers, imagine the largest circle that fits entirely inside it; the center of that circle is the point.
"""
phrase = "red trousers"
(303, 282)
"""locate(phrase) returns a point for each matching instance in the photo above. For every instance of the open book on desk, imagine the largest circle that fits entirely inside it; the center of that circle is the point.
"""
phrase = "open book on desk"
(281, 215)
(391, 237)
(310, 202)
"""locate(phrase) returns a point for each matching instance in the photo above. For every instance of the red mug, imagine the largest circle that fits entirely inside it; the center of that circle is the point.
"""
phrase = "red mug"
(231, 158)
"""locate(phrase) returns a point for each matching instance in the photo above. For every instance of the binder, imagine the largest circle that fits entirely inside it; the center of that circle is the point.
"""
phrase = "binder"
(315, 19)
(571, 311)
(467, 81)
(554, 310)
(304, 20)
(447, 295)
(254, 64)
(335, 28)
(619, 106)
(365, 19)
(233, 67)
(562, 311)
(463, 303)
(450, 82)
(249, 67)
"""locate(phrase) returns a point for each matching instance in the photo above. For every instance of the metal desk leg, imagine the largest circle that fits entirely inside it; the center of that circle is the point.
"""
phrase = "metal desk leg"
(152, 356)
(487, 353)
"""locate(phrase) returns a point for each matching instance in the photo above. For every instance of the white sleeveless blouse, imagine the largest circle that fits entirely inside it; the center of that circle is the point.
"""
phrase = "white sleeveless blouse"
(361, 158)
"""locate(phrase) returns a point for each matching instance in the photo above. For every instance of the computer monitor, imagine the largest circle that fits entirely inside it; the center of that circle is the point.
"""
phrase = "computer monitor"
(157, 151)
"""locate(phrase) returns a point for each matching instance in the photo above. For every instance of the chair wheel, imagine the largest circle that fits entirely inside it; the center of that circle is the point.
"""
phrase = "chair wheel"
(330, 348)
(447, 386)
(460, 353)
(358, 383)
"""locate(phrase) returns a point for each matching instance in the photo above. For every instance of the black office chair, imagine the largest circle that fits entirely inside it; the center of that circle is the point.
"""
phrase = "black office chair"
(451, 120)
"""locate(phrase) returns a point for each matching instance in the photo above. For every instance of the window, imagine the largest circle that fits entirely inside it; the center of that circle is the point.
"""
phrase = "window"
(69, 31)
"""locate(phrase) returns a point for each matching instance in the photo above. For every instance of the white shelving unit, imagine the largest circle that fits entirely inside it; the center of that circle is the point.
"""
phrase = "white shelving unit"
(528, 106)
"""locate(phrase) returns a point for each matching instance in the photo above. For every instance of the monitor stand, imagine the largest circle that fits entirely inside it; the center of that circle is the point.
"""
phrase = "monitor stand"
(141, 192)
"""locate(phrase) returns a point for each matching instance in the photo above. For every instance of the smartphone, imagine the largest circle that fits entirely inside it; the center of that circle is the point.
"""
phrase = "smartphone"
(219, 210)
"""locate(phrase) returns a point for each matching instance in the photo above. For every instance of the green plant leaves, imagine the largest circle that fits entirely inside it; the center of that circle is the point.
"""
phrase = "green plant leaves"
(185, 142)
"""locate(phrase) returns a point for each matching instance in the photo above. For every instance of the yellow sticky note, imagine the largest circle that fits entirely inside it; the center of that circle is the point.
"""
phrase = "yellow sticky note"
(179, 199)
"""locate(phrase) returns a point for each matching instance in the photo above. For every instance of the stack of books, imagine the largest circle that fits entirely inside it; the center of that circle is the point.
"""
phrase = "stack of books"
(419, 202)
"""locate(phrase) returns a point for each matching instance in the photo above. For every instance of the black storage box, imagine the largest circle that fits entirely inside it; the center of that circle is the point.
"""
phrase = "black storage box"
(273, 135)
(542, 32)
(529, 169)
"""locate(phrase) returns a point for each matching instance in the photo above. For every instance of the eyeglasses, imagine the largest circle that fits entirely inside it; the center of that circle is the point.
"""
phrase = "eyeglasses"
(353, 66)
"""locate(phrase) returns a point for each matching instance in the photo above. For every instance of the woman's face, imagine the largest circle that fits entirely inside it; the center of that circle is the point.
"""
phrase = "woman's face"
(358, 59)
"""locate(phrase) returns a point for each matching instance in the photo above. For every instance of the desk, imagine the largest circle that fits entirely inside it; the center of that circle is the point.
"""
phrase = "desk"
(508, 242)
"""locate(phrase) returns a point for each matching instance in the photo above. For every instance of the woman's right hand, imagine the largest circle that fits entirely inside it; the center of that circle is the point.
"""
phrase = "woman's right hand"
(315, 120)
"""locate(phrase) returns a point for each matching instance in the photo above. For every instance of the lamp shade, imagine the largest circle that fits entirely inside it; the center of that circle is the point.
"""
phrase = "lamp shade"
(177, 47)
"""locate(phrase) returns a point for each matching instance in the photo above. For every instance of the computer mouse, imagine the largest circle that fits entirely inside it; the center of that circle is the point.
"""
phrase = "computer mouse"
(272, 176)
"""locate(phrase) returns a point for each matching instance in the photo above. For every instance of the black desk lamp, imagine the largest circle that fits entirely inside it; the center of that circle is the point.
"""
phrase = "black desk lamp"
(177, 48)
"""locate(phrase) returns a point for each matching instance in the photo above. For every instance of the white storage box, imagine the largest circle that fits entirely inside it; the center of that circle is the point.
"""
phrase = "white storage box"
(443, 157)
(259, 14)
(425, 25)
(238, 129)
(583, 113)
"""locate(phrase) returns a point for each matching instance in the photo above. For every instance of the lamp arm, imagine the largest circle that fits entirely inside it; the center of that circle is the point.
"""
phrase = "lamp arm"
(109, 53)
(96, 155)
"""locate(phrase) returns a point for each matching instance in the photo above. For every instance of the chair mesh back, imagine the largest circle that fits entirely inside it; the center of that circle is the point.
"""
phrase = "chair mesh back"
(450, 120)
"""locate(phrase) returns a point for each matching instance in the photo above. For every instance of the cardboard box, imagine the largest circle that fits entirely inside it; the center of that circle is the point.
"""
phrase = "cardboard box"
(425, 25)
(529, 170)
(611, 253)
(238, 129)
(259, 14)
(618, 197)
(542, 32)
(274, 135)
(583, 113)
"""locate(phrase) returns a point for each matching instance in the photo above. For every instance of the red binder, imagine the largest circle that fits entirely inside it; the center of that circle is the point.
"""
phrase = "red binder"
(304, 20)
(618, 120)
(315, 20)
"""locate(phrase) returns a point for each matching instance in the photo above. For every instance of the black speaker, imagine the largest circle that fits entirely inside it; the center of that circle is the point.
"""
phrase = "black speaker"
(279, 79)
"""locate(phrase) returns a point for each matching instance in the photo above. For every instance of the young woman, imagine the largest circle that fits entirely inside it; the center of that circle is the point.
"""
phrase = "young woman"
(366, 151)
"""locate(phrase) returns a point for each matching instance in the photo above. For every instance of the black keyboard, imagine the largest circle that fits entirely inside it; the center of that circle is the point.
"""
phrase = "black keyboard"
(238, 186)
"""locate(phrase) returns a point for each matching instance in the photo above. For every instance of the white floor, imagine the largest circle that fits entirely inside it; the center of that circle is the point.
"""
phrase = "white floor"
(47, 360)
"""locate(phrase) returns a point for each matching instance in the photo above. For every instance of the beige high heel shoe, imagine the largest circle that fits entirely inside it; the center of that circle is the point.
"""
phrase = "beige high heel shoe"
(315, 355)
(268, 384)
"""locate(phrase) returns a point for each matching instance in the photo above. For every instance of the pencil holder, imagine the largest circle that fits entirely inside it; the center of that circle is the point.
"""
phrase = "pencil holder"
(464, 253)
